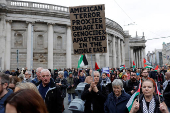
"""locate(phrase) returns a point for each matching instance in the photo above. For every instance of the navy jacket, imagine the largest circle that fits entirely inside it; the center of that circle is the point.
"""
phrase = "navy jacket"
(2, 107)
(113, 105)
(65, 74)
(53, 99)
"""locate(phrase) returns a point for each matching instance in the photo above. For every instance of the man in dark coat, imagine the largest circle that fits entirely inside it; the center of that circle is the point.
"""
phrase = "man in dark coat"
(94, 95)
(131, 85)
(50, 92)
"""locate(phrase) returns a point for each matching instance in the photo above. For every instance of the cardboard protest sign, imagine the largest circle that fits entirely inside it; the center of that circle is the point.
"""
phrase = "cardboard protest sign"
(88, 29)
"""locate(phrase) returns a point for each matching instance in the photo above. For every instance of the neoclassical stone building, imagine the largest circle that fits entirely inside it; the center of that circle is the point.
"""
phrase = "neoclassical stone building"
(46, 28)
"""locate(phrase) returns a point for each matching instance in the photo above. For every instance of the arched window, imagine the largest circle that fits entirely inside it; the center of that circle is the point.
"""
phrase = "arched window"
(59, 42)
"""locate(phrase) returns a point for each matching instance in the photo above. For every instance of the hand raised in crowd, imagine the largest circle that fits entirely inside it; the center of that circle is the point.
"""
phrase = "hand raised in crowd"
(72, 85)
(93, 87)
(135, 107)
(59, 84)
(132, 91)
(163, 108)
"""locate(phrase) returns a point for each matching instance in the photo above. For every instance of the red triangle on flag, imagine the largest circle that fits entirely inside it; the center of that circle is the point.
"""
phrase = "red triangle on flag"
(96, 66)
(133, 63)
(144, 61)
(156, 68)
(124, 66)
(145, 65)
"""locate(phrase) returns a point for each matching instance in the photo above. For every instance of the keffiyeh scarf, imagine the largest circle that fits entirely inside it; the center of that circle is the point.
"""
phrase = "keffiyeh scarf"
(151, 106)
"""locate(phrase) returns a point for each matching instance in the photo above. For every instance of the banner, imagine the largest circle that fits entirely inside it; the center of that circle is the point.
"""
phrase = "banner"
(88, 29)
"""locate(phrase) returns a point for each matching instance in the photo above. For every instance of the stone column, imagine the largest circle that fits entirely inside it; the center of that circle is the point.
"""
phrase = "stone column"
(107, 54)
(68, 48)
(122, 53)
(50, 46)
(137, 59)
(134, 58)
(119, 57)
(114, 53)
(131, 55)
(142, 56)
(8, 46)
(29, 45)
(97, 56)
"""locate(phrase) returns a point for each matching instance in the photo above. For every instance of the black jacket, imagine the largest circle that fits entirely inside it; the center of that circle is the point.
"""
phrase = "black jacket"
(53, 98)
(166, 94)
(157, 110)
(129, 86)
(95, 99)
(63, 87)
(153, 75)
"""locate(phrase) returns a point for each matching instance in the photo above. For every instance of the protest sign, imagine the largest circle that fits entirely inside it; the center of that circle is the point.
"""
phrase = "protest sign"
(88, 29)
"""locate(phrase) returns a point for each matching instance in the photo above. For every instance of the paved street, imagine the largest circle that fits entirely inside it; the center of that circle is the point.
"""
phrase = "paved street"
(66, 105)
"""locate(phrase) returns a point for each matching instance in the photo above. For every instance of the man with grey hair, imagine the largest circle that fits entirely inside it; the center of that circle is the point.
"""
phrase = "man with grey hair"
(50, 92)
(4, 92)
(27, 76)
(38, 78)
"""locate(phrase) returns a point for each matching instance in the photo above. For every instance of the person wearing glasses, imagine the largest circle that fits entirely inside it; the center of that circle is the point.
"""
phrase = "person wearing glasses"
(28, 76)
(4, 91)
(145, 76)
(50, 92)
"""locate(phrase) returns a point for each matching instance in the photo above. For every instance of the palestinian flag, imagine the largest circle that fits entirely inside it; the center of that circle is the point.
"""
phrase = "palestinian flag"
(144, 61)
(156, 68)
(146, 66)
(82, 61)
(131, 100)
(96, 66)
(122, 67)
(157, 91)
(133, 65)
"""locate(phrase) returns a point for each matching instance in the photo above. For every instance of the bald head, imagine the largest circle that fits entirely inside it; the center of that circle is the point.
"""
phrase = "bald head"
(167, 75)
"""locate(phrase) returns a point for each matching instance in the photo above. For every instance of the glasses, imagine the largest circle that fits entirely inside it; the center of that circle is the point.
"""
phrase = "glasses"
(145, 72)
(45, 76)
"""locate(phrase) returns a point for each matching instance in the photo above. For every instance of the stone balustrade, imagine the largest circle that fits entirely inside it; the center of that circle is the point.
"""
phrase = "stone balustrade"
(35, 5)
(112, 23)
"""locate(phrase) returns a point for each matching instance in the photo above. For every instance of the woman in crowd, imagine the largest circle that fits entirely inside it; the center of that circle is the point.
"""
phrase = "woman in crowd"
(148, 101)
(94, 95)
(117, 100)
(62, 83)
(25, 101)
(12, 82)
(105, 79)
(71, 86)
(27, 85)
(112, 76)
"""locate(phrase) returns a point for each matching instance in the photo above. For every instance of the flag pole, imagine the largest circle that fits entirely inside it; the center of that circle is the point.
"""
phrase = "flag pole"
(157, 91)
(92, 68)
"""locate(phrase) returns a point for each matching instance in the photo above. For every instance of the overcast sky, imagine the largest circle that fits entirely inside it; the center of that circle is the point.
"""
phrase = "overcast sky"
(150, 16)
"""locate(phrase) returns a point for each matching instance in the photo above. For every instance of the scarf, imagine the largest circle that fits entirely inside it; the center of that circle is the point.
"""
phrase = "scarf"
(151, 106)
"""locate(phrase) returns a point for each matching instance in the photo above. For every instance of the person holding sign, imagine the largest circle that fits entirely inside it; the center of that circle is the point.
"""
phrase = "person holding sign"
(94, 95)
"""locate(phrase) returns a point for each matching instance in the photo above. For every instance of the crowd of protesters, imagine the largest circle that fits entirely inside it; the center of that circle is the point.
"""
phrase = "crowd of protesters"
(44, 90)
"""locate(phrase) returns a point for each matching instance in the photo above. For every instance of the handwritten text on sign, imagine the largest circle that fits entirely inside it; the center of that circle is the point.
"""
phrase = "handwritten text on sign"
(88, 29)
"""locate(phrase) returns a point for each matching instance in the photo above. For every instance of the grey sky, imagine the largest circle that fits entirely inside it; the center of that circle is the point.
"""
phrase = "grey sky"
(151, 16)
